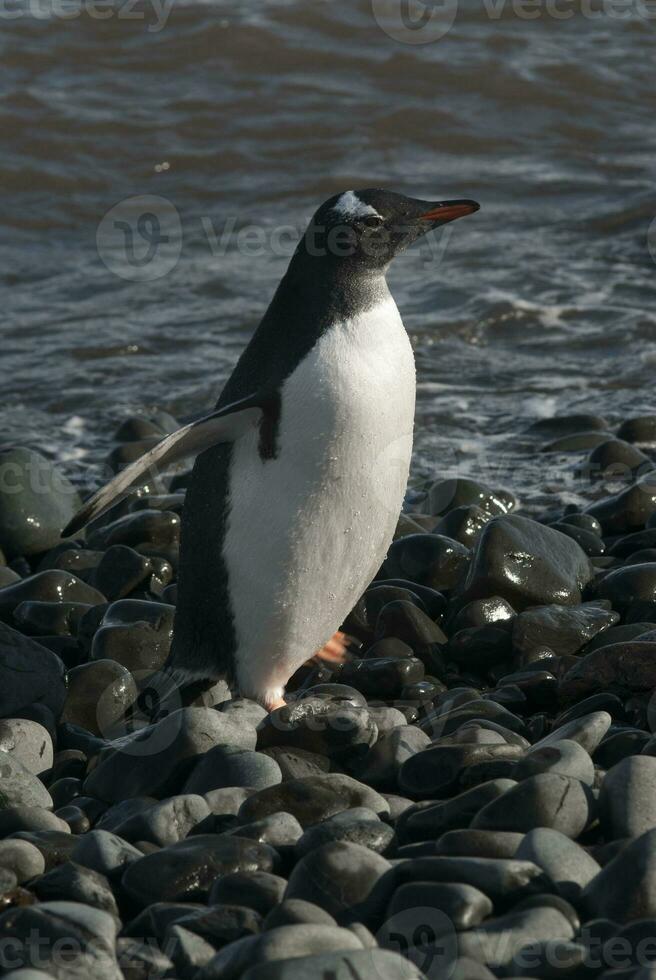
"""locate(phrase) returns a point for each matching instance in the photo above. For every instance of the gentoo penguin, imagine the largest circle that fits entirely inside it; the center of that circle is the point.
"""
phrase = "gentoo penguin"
(302, 468)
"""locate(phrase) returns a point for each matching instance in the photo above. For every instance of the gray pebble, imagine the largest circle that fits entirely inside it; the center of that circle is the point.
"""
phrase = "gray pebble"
(547, 800)
(230, 765)
(564, 756)
(28, 742)
(567, 865)
(627, 800)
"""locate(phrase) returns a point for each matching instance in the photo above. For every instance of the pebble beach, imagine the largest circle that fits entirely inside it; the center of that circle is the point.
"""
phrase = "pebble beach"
(472, 794)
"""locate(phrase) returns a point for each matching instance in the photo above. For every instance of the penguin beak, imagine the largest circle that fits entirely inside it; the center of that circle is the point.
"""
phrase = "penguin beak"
(445, 211)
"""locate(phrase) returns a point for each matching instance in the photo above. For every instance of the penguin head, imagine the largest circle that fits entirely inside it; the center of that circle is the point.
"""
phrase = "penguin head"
(365, 229)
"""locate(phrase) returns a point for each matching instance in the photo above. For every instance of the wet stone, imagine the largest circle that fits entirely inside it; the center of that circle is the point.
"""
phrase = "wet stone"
(463, 524)
(427, 559)
(405, 622)
(73, 882)
(480, 647)
(36, 502)
(50, 586)
(319, 725)
(279, 830)
(313, 799)
(526, 563)
(628, 510)
(185, 871)
(99, 694)
(49, 618)
(641, 430)
(621, 668)
(142, 527)
(484, 612)
(633, 583)
(122, 570)
(566, 630)
(383, 677)
(356, 826)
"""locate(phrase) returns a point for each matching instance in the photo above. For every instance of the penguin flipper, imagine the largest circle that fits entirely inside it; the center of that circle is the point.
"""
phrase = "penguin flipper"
(224, 425)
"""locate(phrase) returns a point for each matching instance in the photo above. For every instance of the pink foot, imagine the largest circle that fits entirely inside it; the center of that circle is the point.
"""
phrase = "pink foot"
(334, 652)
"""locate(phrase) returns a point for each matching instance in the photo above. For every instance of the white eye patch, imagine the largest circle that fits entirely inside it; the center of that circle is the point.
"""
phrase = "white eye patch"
(349, 205)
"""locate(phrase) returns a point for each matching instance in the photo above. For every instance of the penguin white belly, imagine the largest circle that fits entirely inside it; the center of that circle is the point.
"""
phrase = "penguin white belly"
(307, 531)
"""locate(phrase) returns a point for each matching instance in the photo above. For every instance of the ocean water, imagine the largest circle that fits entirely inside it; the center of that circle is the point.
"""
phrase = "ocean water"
(205, 134)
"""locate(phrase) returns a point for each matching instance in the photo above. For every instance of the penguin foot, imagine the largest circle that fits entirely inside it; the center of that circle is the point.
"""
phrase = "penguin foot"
(334, 651)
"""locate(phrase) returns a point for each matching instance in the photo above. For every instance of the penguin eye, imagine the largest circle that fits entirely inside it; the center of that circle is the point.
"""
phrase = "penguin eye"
(372, 221)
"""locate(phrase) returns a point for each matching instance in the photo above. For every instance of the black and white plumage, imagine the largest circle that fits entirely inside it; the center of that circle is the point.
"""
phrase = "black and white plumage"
(296, 492)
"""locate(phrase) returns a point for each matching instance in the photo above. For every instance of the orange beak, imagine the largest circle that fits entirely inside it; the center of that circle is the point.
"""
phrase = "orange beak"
(450, 210)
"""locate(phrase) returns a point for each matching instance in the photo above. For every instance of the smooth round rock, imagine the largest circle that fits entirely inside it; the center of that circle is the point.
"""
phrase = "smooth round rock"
(22, 858)
(526, 563)
(357, 826)
(338, 877)
(166, 822)
(29, 674)
(156, 760)
(36, 502)
(564, 756)
(567, 865)
(99, 694)
(258, 890)
(627, 800)
(28, 742)
(19, 787)
(313, 799)
(547, 800)
(229, 765)
(625, 888)
(185, 871)
(73, 882)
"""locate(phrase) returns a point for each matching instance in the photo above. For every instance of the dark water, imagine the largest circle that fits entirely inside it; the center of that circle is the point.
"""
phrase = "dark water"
(244, 117)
